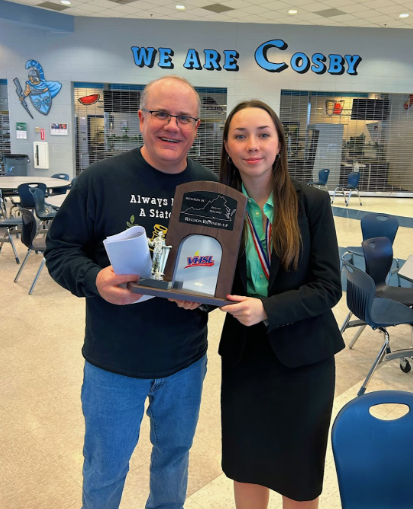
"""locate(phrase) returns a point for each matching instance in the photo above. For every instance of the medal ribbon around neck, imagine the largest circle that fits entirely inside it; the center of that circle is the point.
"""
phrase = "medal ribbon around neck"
(265, 258)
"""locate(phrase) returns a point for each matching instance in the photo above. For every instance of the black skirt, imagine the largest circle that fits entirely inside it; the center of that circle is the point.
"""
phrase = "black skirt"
(275, 420)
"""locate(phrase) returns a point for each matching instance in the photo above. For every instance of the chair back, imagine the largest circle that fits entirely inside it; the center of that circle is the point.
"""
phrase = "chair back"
(38, 197)
(29, 227)
(3, 211)
(372, 456)
(378, 255)
(353, 179)
(26, 198)
(63, 189)
(323, 176)
(360, 293)
(379, 225)
(63, 176)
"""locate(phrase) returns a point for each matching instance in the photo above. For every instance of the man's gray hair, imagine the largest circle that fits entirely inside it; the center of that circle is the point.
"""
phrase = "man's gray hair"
(144, 95)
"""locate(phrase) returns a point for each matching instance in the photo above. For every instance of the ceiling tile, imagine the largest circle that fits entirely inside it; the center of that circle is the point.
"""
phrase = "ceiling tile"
(255, 9)
(330, 13)
(237, 4)
(217, 8)
(53, 6)
(351, 9)
(370, 13)
(313, 7)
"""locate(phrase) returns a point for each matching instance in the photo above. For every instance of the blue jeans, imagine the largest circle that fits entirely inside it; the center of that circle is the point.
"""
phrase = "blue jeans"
(113, 406)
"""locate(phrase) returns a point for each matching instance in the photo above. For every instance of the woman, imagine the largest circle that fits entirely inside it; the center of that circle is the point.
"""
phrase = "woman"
(280, 335)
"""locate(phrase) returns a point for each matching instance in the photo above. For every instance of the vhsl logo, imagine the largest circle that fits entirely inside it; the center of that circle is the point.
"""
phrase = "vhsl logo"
(200, 261)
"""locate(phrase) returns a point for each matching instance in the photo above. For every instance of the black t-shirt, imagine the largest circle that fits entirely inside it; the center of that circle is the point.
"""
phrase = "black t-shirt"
(151, 339)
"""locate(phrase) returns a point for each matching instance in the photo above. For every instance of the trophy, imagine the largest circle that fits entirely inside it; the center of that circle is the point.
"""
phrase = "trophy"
(159, 258)
(196, 262)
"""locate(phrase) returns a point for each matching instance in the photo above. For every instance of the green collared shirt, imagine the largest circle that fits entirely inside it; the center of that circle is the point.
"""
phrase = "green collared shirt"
(257, 283)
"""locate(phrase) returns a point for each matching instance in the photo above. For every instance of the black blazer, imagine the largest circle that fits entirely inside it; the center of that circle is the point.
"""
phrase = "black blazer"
(302, 329)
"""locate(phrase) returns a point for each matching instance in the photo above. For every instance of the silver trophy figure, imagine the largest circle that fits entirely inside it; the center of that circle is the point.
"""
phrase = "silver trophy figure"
(160, 256)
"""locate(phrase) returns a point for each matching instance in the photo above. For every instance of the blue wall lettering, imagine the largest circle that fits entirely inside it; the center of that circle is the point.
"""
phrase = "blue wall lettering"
(318, 60)
(336, 64)
(165, 58)
(192, 60)
(143, 56)
(212, 59)
(300, 63)
(261, 55)
(353, 62)
(231, 57)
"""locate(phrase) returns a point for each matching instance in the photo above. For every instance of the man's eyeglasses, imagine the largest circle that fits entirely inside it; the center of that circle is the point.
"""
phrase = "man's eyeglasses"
(162, 118)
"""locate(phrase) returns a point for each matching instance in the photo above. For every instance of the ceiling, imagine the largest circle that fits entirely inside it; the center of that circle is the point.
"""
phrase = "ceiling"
(347, 13)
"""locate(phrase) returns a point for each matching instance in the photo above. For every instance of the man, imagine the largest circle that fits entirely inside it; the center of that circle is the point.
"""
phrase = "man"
(151, 349)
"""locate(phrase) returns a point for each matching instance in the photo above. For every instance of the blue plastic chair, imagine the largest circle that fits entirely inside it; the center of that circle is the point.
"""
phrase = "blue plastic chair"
(29, 231)
(322, 179)
(43, 213)
(376, 312)
(378, 255)
(352, 185)
(373, 457)
(25, 197)
(8, 226)
(374, 225)
(59, 190)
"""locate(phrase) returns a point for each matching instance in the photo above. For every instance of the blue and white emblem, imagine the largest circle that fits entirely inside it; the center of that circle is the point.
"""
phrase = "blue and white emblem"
(40, 91)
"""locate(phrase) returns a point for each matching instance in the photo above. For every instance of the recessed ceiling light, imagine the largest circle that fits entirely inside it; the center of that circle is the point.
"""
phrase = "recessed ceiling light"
(403, 15)
(65, 2)
(292, 11)
(180, 7)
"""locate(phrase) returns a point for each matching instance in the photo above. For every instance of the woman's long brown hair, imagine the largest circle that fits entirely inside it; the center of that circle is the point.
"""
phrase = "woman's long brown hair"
(286, 236)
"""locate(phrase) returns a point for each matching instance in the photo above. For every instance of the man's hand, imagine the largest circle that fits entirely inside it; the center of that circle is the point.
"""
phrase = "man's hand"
(108, 285)
(185, 304)
(248, 310)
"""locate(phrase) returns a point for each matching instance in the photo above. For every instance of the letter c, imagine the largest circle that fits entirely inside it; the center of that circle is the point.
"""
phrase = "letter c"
(261, 55)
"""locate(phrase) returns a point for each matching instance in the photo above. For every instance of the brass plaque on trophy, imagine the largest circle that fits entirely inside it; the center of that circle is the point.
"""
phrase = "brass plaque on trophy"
(196, 262)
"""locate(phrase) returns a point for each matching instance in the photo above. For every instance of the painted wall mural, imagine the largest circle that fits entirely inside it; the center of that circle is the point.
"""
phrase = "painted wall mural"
(38, 89)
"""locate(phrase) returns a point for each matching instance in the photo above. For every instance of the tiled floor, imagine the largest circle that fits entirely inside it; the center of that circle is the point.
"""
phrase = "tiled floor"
(41, 424)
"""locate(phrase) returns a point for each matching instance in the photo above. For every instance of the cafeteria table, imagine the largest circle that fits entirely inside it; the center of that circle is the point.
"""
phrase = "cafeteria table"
(12, 183)
(56, 200)
(406, 271)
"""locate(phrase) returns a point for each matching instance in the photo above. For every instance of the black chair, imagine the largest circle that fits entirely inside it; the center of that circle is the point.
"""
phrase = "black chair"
(352, 185)
(44, 214)
(10, 226)
(376, 312)
(60, 190)
(373, 456)
(29, 231)
(25, 198)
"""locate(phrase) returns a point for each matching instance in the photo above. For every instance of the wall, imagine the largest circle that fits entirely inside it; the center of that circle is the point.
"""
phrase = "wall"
(99, 50)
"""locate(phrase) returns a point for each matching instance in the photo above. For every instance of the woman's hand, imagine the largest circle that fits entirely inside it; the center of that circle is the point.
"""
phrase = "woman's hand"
(247, 310)
(185, 304)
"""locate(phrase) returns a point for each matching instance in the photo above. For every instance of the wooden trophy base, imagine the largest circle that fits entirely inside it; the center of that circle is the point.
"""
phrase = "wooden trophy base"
(175, 293)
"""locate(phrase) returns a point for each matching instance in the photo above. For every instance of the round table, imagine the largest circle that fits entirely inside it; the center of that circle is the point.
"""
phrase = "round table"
(12, 183)
(56, 200)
